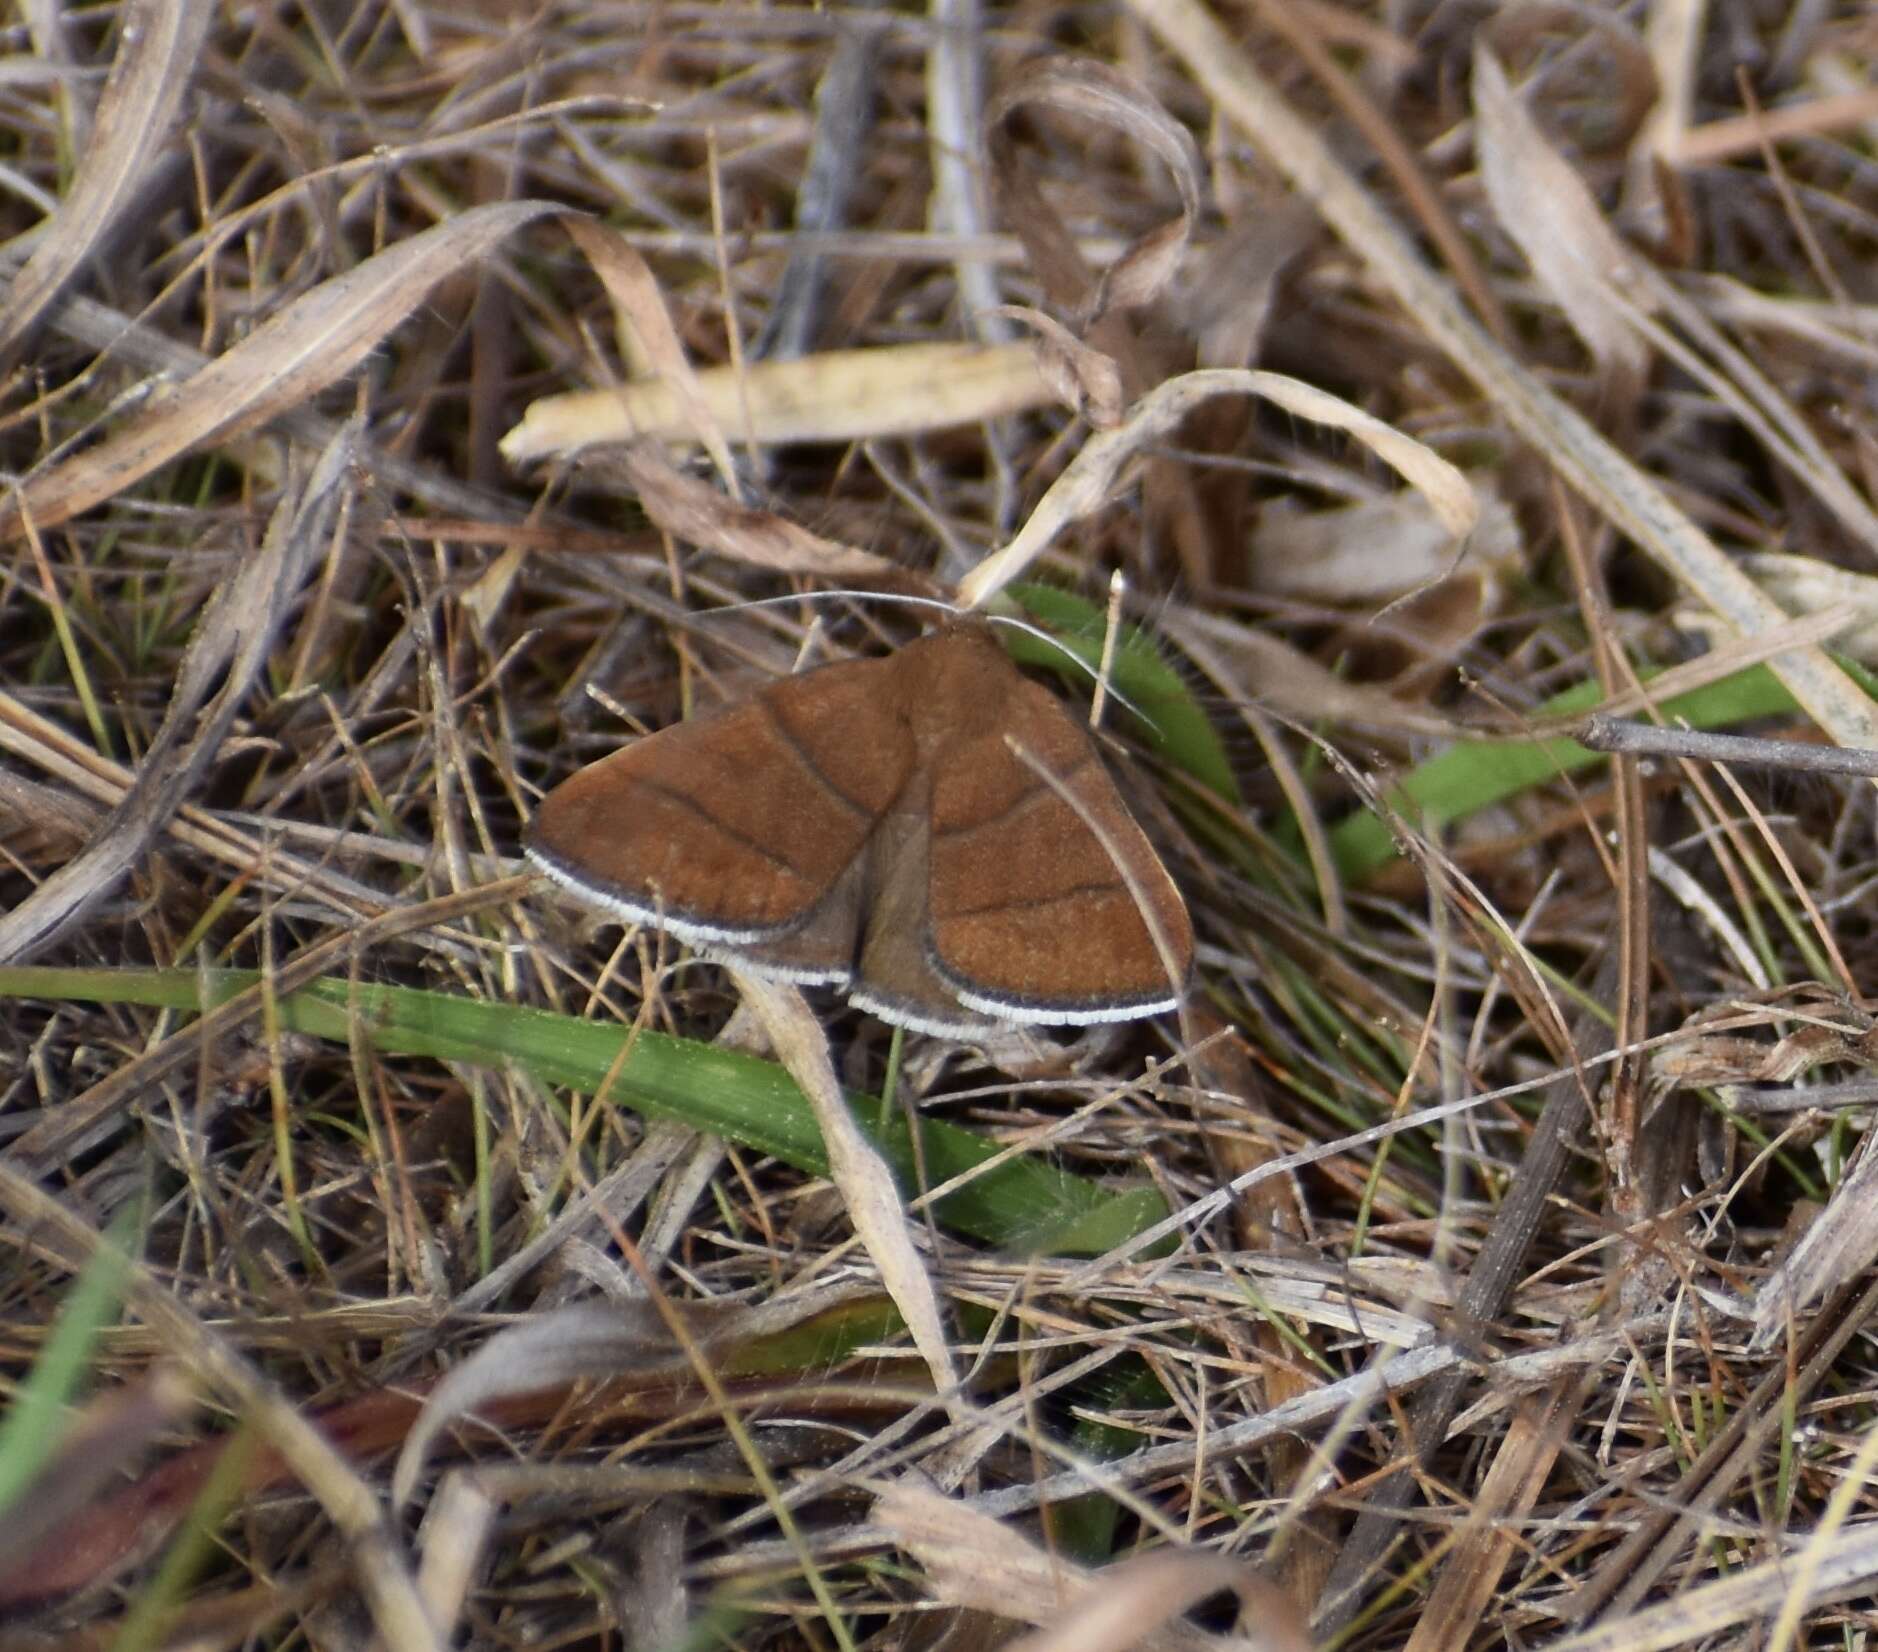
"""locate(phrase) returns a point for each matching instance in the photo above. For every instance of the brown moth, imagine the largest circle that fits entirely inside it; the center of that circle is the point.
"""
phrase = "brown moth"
(872, 826)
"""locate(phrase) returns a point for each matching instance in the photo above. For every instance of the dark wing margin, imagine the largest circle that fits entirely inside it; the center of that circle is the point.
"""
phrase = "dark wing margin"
(734, 830)
(1033, 917)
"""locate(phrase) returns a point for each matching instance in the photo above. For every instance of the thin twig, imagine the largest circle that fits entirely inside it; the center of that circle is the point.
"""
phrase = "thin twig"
(1622, 737)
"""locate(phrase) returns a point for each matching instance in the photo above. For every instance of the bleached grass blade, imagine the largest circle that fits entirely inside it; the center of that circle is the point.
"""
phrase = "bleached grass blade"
(158, 43)
(316, 341)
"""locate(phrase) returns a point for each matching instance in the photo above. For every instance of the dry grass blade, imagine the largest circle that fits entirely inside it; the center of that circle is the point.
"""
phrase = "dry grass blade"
(1273, 1217)
(1463, 1595)
(867, 1188)
(1382, 1383)
(1627, 1573)
(354, 1508)
(453, 1543)
(239, 631)
(123, 338)
(837, 396)
(698, 514)
(1483, 1296)
(1546, 208)
(1842, 1570)
(980, 1565)
(251, 848)
(314, 342)
(831, 175)
(1090, 479)
(1744, 133)
(648, 335)
(1309, 31)
(1761, 407)
(1806, 585)
(96, 1112)
(956, 148)
(158, 44)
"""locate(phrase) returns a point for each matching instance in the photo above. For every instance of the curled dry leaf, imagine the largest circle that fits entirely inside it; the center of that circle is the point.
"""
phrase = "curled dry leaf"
(1131, 1602)
(1378, 549)
(838, 396)
(589, 1339)
(972, 1560)
(1447, 491)
(1741, 1054)
(600, 1340)
(1609, 94)
(1089, 480)
(314, 342)
(1087, 379)
(1393, 551)
(1094, 91)
(698, 514)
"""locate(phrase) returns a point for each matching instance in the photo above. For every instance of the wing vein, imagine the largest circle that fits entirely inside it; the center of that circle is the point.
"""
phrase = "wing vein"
(692, 807)
(1038, 787)
(1034, 903)
(807, 759)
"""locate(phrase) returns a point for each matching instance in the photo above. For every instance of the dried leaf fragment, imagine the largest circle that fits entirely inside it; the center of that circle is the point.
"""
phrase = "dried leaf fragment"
(838, 396)
(698, 514)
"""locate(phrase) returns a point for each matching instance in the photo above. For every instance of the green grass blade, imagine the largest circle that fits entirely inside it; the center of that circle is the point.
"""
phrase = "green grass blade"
(1467, 778)
(32, 1429)
(1164, 712)
(1021, 1203)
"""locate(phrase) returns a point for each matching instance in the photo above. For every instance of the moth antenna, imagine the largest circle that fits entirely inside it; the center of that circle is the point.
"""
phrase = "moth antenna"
(951, 609)
(1098, 674)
